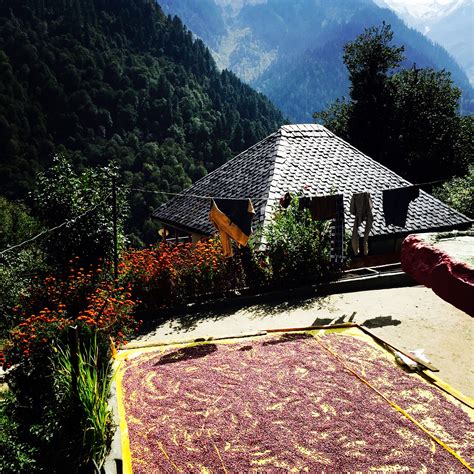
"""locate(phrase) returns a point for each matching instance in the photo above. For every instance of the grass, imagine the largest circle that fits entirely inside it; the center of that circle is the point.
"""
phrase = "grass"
(88, 386)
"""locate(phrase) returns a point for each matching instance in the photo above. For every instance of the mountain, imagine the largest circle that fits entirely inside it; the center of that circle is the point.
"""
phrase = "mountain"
(291, 50)
(449, 23)
(117, 80)
(456, 33)
(415, 13)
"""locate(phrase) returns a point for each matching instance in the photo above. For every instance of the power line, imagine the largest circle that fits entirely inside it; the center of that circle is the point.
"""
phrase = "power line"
(184, 194)
(52, 229)
(431, 182)
(198, 196)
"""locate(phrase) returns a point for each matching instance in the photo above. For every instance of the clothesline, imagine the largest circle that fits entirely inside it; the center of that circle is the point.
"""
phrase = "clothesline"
(200, 196)
(418, 185)
(429, 182)
(72, 221)
(52, 229)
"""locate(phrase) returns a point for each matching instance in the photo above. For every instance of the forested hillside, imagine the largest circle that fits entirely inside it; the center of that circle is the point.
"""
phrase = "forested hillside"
(292, 50)
(117, 80)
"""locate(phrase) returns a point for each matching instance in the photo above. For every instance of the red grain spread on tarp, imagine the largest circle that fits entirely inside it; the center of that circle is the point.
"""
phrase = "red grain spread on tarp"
(451, 280)
(421, 400)
(282, 403)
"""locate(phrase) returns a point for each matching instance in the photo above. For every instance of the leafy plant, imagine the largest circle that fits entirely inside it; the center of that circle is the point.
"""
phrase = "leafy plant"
(85, 296)
(61, 194)
(82, 377)
(173, 274)
(459, 193)
(296, 245)
(16, 456)
(19, 266)
(52, 428)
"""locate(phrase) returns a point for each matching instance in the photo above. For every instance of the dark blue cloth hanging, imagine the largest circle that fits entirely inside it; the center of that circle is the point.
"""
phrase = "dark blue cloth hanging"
(396, 202)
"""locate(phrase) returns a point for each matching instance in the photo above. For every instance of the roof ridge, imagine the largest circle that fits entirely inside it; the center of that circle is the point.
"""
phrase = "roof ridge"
(279, 159)
(303, 127)
(219, 168)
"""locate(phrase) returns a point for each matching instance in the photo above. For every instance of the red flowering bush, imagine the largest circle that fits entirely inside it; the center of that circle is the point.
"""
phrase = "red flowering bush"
(84, 297)
(169, 274)
(66, 316)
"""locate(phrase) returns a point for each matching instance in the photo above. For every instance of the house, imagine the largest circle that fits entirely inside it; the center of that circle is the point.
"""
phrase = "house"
(312, 158)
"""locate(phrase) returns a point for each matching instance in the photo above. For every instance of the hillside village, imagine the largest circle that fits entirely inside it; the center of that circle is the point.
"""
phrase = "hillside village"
(235, 236)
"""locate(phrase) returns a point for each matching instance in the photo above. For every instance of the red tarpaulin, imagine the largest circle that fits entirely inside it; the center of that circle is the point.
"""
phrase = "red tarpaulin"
(451, 280)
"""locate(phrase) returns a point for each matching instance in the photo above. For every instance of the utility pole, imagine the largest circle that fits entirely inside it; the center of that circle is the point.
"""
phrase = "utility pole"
(114, 222)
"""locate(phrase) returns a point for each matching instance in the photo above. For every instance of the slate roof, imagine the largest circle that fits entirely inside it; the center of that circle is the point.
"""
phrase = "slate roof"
(294, 157)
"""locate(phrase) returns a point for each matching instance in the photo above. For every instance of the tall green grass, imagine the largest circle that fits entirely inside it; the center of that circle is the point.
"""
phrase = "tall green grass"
(83, 379)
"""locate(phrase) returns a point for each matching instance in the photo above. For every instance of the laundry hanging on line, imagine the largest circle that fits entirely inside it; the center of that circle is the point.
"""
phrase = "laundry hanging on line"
(396, 202)
(285, 201)
(233, 219)
(321, 208)
(361, 207)
(331, 208)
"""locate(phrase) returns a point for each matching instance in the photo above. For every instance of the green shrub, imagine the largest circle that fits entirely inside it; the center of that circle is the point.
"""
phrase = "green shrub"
(61, 194)
(57, 411)
(17, 456)
(297, 246)
(255, 264)
(65, 429)
(19, 266)
(168, 274)
(459, 193)
(17, 275)
(84, 295)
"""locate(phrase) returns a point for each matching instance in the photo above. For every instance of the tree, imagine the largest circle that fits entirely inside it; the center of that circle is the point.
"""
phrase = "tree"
(369, 59)
(427, 131)
(407, 119)
(459, 193)
(84, 202)
(336, 117)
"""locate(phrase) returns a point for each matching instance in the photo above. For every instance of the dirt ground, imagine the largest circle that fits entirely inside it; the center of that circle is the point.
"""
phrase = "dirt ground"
(409, 318)
(461, 247)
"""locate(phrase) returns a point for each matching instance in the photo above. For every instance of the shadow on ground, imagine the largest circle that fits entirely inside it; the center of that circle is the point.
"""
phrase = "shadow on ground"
(187, 321)
(380, 322)
(273, 308)
(287, 338)
(187, 353)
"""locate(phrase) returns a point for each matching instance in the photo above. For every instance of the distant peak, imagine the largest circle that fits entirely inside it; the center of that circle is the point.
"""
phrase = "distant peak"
(423, 10)
(236, 5)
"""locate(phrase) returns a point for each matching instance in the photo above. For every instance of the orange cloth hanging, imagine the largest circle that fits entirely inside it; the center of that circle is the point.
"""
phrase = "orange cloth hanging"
(233, 220)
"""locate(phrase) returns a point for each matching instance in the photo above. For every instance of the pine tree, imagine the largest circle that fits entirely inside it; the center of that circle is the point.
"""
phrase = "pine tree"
(369, 59)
